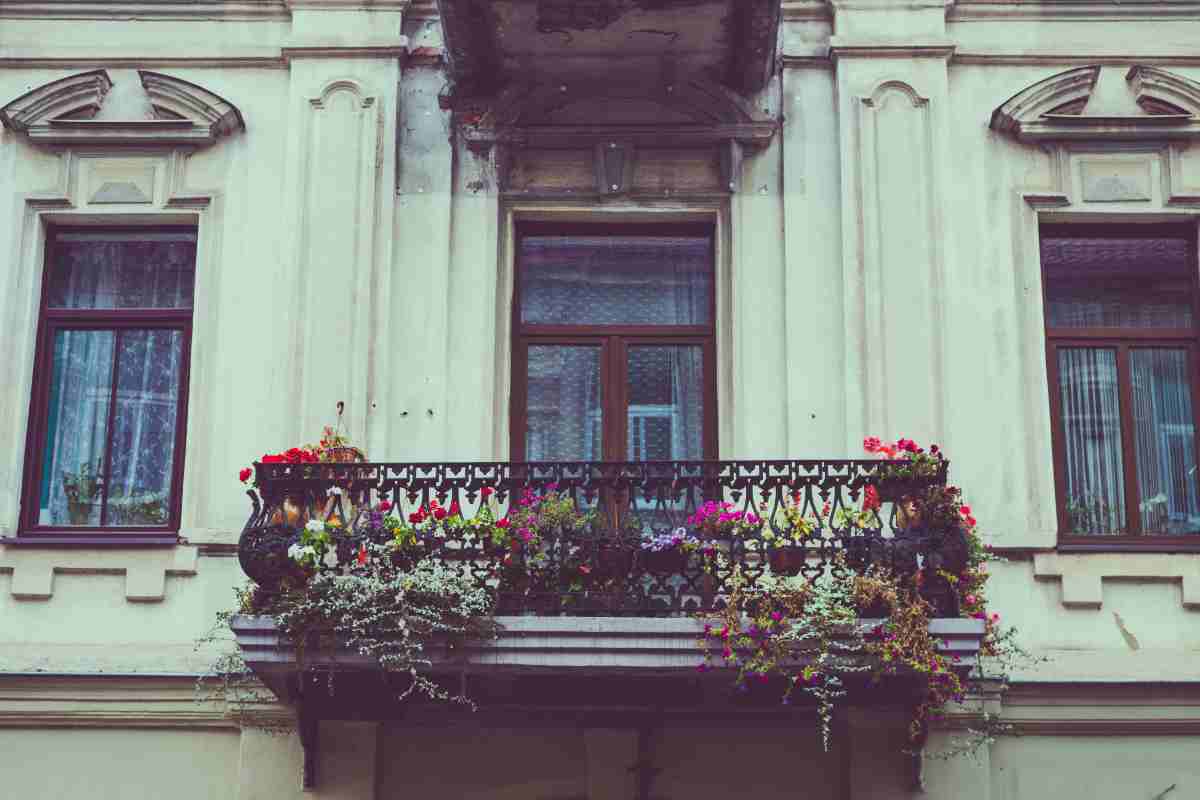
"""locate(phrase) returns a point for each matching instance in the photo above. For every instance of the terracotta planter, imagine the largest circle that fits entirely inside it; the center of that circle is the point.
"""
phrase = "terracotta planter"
(670, 562)
(787, 560)
(613, 561)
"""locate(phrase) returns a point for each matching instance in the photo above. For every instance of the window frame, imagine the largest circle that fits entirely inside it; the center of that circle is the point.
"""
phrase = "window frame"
(1122, 340)
(49, 322)
(613, 340)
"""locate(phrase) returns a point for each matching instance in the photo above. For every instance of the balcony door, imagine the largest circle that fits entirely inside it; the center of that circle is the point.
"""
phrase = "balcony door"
(613, 356)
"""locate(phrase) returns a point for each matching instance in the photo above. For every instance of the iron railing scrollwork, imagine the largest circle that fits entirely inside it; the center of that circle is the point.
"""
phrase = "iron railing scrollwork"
(600, 567)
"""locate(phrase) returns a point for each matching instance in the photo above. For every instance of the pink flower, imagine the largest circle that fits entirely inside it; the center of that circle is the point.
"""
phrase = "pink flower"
(439, 513)
(965, 510)
(384, 506)
(871, 500)
(502, 523)
(487, 492)
(995, 617)
(871, 444)
(969, 599)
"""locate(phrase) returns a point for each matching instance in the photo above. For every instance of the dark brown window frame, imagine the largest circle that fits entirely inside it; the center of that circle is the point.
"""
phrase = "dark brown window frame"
(51, 320)
(1122, 340)
(613, 340)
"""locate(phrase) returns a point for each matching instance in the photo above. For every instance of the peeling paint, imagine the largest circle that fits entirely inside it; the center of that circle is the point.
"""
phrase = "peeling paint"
(561, 16)
(1129, 638)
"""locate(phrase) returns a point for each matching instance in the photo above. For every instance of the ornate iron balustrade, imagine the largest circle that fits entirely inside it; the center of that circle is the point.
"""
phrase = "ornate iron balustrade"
(600, 567)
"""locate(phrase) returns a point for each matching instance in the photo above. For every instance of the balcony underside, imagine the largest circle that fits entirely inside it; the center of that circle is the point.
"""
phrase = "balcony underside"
(603, 665)
(494, 42)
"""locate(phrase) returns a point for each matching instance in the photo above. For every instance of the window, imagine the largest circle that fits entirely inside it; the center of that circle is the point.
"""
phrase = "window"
(1121, 338)
(613, 356)
(110, 382)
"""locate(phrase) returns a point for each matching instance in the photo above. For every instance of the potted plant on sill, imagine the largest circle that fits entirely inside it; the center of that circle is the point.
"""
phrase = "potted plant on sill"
(82, 490)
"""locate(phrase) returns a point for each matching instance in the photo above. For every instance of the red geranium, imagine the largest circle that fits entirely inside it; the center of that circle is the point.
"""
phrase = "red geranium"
(245, 474)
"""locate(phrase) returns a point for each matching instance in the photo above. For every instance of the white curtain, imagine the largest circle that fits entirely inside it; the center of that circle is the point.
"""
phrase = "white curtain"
(1092, 434)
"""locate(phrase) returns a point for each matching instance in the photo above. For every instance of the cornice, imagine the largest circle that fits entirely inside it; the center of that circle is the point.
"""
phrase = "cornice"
(216, 10)
(1088, 10)
(842, 48)
(86, 701)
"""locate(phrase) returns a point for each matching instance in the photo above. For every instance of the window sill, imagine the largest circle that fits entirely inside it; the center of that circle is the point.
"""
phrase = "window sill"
(91, 540)
(1142, 544)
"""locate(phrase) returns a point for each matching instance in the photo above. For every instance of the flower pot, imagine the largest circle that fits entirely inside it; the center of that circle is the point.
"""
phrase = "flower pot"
(670, 562)
(787, 560)
(613, 561)
(80, 513)
(894, 490)
(345, 455)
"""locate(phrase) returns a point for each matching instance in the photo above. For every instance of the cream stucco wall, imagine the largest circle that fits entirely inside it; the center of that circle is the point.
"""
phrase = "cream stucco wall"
(879, 276)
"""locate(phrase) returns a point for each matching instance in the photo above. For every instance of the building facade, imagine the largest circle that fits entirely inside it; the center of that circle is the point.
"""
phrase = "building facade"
(508, 230)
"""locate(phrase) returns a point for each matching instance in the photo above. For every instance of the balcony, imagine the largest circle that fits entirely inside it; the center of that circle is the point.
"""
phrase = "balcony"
(592, 619)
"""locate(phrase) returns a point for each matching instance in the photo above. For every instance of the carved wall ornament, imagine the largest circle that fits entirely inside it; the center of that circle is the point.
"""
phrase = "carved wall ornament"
(65, 112)
(1150, 104)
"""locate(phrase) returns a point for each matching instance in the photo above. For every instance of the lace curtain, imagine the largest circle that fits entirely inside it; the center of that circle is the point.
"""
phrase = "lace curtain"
(109, 455)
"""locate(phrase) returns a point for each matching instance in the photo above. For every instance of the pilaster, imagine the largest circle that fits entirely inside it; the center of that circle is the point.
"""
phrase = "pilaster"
(892, 99)
(341, 111)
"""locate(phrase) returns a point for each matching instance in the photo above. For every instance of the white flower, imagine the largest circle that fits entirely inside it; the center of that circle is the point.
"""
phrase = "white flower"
(315, 525)
(334, 490)
(331, 559)
(296, 551)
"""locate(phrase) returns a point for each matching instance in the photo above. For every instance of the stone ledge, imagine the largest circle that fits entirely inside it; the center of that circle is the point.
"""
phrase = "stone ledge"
(1082, 575)
(145, 571)
(570, 644)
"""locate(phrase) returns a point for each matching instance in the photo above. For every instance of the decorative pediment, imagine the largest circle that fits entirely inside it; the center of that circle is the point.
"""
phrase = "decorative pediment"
(163, 110)
(1099, 103)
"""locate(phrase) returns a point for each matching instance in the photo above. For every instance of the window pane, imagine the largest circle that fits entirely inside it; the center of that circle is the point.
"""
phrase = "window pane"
(76, 429)
(666, 403)
(1092, 437)
(563, 416)
(616, 280)
(1134, 282)
(144, 427)
(1166, 441)
(122, 270)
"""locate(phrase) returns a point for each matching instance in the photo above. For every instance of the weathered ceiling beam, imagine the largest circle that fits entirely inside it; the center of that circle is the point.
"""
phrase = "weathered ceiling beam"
(755, 44)
(468, 28)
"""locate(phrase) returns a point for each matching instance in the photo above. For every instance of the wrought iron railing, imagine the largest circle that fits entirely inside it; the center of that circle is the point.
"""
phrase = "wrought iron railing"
(602, 566)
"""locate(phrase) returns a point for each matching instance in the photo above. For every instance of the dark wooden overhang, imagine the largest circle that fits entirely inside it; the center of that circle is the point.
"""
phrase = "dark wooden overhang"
(492, 43)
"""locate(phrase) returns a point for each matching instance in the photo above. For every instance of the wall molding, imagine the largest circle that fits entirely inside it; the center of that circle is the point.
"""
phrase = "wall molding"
(1082, 575)
(33, 569)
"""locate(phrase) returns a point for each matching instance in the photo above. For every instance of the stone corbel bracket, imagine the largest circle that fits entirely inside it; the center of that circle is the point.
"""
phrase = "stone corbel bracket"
(525, 118)
(1083, 575)
(145, 570)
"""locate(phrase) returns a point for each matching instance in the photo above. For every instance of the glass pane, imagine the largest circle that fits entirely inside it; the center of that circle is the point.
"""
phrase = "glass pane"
(616, 280)
(148, 371)
(666, 403)
(122, 270)
(1166, 441)
(77, 428)
(1128, 282)
(1092, 435)
(563, 405)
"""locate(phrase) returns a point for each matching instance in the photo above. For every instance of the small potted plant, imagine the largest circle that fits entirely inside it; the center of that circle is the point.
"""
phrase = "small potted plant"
(82, 489)
(667, 553)
(921, 469)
